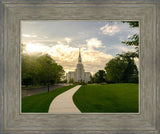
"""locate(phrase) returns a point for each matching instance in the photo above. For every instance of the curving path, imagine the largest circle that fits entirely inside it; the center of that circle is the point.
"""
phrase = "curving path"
(63, 103)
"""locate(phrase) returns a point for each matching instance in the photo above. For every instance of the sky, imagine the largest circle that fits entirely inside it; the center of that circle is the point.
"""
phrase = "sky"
(99, 41)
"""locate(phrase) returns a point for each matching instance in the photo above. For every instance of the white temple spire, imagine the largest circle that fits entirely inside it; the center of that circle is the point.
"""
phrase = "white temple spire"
(79, 58)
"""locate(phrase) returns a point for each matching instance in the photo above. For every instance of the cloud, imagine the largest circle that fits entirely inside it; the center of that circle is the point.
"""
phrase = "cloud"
(59, 42)
(123, 38)
(68, 40)
(124, 49)
(46, 37)
(34, 48)
(110, 30)
(95, 60)
(29, 35)
(93, 43)
(129, 36)
(136, 60)
(67, 56)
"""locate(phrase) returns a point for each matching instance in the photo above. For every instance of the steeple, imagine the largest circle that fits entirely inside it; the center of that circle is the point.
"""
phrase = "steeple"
(79, 58)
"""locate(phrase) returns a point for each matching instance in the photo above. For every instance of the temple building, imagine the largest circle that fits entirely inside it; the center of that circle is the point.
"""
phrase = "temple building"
(79, 75)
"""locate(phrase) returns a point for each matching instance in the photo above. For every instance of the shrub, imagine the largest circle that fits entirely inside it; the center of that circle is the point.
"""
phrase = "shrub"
(71, 80)
(103, 83)
(83, 83)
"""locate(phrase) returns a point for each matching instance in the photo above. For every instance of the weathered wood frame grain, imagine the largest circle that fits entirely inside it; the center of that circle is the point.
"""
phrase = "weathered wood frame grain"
(146, 12)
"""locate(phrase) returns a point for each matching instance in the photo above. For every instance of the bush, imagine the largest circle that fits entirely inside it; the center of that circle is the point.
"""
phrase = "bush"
(80, 83)
(76, 83)
(71, 80)
(83, 83)
(103, 83)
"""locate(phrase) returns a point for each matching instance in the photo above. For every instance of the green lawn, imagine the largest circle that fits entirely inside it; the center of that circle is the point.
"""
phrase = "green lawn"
(121, 97)
(41, 102)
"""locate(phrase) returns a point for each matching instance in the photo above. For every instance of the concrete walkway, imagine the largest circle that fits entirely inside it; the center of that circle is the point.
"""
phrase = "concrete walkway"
(63, 103)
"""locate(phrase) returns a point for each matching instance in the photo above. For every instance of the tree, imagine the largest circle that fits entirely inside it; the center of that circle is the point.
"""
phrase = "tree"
(132, 23)
(134, 39)
(100, 76)
(115, 69)
(38, 69)
(92, 79)
(29, 69)
(49, 68)
(131, 66)
(121, 68)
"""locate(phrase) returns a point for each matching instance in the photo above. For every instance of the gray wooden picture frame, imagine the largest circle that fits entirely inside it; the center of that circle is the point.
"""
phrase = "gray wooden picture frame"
(146, 12)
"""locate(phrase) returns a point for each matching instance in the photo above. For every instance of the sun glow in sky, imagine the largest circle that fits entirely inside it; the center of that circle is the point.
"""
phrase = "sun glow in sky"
(99, 41)
(34, 47)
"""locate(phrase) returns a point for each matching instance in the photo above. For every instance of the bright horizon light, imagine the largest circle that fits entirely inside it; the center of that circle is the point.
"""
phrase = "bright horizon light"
(34, 47)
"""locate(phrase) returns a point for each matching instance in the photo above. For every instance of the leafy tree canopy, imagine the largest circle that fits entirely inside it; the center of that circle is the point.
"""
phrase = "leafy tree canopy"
(40, 69)
(115, 69)
(132, 23)
(134, 39)
(100, 76)
(121, 68)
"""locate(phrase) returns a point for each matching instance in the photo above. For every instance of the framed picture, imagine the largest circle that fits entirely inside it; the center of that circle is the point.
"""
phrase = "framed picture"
(80, 66)
(102, 80)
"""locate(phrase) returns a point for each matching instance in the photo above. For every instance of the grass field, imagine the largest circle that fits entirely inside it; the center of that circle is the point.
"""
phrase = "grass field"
(40, 102)
(107, 98)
